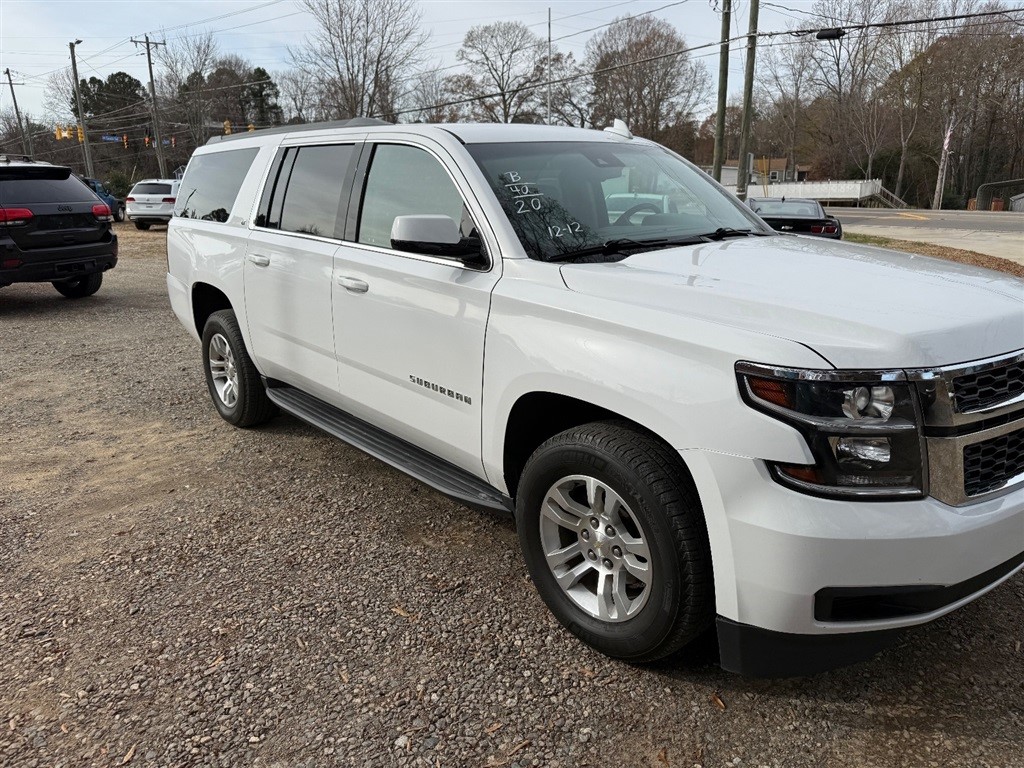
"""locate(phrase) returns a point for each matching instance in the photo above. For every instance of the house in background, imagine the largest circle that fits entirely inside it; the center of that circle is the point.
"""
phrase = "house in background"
(772, 170)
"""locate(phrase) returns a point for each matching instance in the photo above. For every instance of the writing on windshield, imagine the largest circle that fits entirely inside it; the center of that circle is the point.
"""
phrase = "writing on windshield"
(572, 196)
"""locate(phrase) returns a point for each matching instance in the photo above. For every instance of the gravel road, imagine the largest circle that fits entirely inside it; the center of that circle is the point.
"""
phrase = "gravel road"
(177, 592)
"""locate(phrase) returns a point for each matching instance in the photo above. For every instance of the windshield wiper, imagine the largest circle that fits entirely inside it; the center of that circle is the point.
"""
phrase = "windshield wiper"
(623, 244)
(723, 232)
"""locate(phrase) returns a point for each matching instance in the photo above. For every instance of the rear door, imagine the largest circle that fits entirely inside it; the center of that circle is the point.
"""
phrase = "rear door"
(289, 262)
(61, 205)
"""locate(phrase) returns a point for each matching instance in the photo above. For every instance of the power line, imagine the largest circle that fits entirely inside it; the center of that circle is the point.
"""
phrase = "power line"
(686, 50)
(529, 47)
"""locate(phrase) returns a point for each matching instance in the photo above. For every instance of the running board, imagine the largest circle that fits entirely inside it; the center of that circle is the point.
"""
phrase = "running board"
(439, 474)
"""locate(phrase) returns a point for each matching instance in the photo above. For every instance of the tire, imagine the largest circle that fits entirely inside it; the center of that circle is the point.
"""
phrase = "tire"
(142, 225)
(80, 287)
(119, 213)
(654, 515)
(231, 376)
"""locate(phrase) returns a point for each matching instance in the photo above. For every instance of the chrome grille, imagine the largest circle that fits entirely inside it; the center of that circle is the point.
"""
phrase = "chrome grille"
(983, 389)
(991, 464)
(974, 425)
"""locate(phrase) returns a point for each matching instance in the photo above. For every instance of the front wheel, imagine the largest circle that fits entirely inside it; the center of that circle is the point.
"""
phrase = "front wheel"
(231, 376)
(80, 287)
(614, 538)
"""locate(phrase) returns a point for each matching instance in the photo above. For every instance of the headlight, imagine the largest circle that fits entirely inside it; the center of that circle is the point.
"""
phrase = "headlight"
(862, 429)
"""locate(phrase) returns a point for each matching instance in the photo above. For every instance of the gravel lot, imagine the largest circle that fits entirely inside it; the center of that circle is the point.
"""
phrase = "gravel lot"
(177, 592)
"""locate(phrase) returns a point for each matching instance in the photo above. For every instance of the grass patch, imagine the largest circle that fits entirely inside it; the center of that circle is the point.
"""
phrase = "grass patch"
(940, 251)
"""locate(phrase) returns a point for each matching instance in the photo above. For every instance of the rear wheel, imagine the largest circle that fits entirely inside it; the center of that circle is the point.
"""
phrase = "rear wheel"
(614, 538)
(142, 225)
(119, 213)
(80, 287)
(231, 376)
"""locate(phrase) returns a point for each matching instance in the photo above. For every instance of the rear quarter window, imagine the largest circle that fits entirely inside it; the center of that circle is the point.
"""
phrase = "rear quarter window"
(211, 184)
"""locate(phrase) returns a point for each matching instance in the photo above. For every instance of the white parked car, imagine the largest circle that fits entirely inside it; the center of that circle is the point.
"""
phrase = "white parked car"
(151, 201)
(698, 422)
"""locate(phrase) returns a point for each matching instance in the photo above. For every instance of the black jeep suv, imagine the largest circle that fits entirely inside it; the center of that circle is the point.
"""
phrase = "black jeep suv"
(53, 229)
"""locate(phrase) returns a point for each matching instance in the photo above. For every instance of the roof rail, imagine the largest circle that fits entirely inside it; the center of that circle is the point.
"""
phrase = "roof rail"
(355, 122)
(23, 158)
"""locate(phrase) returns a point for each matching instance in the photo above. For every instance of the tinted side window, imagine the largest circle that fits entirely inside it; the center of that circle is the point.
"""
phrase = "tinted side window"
(312, 195)
(211, 184)
(405, 181)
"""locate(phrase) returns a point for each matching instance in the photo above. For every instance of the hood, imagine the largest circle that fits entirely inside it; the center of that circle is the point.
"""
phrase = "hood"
(857, 306)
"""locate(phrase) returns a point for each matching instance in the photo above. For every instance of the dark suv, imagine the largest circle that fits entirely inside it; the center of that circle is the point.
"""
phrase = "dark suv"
(53, 228)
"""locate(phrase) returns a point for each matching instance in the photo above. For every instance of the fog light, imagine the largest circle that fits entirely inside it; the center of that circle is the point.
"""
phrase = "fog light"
(868, 402)
(863, 451)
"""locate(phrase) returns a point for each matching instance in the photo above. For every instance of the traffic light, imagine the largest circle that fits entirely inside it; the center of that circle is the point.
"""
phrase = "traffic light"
(227, 127)
(147, 141)
(58, 132)
(174, 143)
(125, 140)
(252, 127)
(81, 135)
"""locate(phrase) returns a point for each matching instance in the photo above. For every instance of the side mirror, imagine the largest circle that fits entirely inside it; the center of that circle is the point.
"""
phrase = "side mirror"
(436, 235)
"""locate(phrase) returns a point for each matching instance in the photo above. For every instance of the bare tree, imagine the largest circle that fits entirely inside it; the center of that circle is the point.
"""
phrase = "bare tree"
(504, 61)
(299, 96)
(846, 73)
(572, 102)
(650, 95)
(359, 53)
(783, 83)
(186, 63)
(431, 93)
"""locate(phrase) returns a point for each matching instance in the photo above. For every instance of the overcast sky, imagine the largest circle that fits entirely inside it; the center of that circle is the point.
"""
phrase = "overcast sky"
(34, 34)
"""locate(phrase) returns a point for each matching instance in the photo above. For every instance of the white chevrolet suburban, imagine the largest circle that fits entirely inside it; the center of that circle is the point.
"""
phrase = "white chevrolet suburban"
(698, 422)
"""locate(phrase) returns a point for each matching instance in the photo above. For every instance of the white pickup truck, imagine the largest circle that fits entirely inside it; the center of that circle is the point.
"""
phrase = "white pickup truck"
(698, 423)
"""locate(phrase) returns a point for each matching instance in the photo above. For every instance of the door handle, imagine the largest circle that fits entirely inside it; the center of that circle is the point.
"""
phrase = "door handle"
(353, 284)
(258, 260)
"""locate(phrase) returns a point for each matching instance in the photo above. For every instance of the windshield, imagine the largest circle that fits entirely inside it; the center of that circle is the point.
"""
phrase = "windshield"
(786, 208)
(563, 197)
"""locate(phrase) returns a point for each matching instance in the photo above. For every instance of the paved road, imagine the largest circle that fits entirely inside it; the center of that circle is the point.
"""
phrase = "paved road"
(994, 233)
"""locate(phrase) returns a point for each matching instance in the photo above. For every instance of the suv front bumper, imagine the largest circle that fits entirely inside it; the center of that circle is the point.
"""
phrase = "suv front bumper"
(804, 584)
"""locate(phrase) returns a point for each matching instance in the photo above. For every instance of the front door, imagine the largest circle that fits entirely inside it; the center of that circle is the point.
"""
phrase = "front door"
(409, 328)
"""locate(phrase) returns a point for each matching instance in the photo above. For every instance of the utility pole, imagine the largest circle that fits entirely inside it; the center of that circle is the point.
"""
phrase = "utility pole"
(743, 177)
(81, 113)
(723, 89)
(549, 65)
(940, 179)
(156, 112)
(25, 147)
